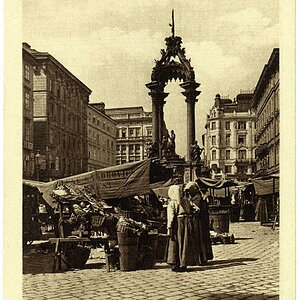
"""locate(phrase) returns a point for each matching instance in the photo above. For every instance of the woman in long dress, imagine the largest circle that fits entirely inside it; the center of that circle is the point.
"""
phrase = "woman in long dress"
(181, 250)
(200, 221)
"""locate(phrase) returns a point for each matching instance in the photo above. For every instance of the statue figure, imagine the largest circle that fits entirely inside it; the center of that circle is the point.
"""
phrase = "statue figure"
(152, 150)
(164, 147)
(172, 143)
(195, 152)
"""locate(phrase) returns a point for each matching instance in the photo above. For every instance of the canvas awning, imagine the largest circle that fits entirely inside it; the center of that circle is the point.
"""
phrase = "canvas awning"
(214, 183)
(266, 186)
(109, 183)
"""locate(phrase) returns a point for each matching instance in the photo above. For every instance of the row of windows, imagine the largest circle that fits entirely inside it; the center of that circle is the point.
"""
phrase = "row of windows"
(240, 169)
(67, 119)
(67, 141)
(27, 72)
(242, 154)
(96, 121)
(132, 132)
(242, 125)
(270, 132)
(72, 97)
(241, 139)
(28, 130)
(99, 154)
(101, 141)
(268, 110)
(133, 149)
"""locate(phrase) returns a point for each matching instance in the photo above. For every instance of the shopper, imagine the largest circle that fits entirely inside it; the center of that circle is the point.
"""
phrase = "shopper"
(181, 250)
(200, 221)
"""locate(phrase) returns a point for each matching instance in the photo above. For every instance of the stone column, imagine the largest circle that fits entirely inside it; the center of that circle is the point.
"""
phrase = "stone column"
(157, 94)
(190, 93)
(155, 120)
(161, 118)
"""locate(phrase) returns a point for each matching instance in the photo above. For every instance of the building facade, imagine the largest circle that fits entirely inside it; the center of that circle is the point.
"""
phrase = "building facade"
(134, 132)
(29, 65)
(266, 105)
(101, 138)
(230, 138)
(60, 119)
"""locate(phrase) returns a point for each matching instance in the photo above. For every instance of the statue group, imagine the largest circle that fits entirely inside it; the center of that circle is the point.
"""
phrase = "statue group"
(167, 146)
(195, 152)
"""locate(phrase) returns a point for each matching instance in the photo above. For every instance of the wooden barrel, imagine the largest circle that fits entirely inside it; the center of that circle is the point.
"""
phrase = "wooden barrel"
(128, 247)
(219, 220)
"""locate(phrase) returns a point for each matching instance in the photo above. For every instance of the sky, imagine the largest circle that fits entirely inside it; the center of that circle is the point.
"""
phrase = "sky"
(111, 47)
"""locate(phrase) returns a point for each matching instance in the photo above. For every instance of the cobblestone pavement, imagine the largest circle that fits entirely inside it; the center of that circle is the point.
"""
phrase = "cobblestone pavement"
(248, 269)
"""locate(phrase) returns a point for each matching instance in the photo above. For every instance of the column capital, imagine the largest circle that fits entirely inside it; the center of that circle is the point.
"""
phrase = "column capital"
(190, 91)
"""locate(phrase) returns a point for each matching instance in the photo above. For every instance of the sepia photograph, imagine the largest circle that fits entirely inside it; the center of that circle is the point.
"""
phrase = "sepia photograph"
(150, 149)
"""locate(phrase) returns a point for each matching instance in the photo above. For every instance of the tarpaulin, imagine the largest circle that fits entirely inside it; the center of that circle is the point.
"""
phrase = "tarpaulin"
(214, 183)
(113, 182)
(265, 186)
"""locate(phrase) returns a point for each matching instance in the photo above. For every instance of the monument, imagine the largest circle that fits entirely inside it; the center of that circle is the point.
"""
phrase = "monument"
(164, 71)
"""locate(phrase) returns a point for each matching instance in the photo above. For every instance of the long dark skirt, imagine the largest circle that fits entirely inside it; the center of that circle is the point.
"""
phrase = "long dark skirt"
(201, 233)
(182, 248)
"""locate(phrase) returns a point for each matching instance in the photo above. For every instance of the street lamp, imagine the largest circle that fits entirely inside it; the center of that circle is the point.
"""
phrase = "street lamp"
(38, 164)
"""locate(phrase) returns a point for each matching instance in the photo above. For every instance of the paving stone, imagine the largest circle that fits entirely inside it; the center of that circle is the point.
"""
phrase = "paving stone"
(238, 271)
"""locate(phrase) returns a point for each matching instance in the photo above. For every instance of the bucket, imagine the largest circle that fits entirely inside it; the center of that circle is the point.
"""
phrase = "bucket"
(128, 247)
(219, 220)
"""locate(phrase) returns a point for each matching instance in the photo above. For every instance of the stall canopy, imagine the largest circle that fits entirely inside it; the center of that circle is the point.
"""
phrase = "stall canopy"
(214, 183)
(113, 182)
(266, 185)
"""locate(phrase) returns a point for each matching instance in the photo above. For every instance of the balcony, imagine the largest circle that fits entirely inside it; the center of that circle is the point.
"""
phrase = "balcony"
(244, 161)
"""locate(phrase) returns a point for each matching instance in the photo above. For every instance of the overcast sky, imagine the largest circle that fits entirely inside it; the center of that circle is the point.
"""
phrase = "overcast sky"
(111, 47)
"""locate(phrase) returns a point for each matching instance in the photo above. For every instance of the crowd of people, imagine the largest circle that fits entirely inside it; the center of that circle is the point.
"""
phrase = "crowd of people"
(188, 227)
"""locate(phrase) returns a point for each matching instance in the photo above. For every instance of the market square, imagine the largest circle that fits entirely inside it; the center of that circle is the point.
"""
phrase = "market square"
(150, 150)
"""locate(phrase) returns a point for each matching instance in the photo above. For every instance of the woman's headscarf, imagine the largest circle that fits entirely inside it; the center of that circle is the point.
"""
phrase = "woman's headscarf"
(174, 193)
(193, 188)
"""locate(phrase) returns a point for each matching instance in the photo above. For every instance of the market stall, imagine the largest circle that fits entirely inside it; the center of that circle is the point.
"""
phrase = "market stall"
(90, 209)
(267, 191)
(219, 208)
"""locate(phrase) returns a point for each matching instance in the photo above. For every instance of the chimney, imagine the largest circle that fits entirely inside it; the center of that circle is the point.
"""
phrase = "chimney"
(25, 45)
(217, 100)
(100, 106)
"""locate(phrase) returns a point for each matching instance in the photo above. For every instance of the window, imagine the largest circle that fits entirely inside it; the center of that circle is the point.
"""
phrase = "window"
(123, 149)
(213, 140)
(227, 154)
(26, 72)
(213, 155)
(50, 85)
(241, 139)
(242, 169)
(242, 125)
(118, 148)
(228, 169)
(138, 132)
(50, 136)
(27, 100)
(213, 125)
(130, 132)
(27, 130)
(131, 149)
(242, 154)
(227, 125)
(112, 145)
(227, 139)
(149, 132)
(123, 133)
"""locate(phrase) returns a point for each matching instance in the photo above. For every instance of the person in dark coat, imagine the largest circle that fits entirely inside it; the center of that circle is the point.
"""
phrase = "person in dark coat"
(200, 221)
(181, 251)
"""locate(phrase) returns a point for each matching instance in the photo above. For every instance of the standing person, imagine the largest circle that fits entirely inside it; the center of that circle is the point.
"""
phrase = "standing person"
(200, 221)
(181, 250)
